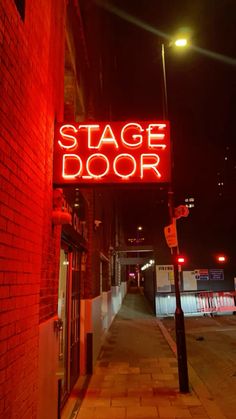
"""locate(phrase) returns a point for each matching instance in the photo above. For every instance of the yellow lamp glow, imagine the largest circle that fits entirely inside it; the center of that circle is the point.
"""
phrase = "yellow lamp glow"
(182, 42)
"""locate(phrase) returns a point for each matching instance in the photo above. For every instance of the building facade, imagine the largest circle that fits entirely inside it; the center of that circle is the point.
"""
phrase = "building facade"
(59, 274)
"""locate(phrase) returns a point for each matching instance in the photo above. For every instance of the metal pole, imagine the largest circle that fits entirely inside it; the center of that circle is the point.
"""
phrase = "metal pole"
(179, 315)
(180, 332)
(165, 100)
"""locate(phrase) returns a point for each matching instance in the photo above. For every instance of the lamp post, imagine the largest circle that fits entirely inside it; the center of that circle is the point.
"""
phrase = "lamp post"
(179, 315)
(138, 241)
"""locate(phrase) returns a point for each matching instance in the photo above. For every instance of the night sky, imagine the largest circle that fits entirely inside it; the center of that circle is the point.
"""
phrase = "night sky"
(201, 87)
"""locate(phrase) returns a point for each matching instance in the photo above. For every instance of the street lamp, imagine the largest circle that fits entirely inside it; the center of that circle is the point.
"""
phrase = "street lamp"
(179, 315)
(181, 42)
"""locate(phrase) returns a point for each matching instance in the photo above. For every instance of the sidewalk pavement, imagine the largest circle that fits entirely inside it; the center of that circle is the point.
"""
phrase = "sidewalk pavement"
(136, 375)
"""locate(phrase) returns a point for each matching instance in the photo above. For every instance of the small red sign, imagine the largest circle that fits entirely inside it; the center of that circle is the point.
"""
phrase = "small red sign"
(112, 152)
(170, 232)
(181, 211)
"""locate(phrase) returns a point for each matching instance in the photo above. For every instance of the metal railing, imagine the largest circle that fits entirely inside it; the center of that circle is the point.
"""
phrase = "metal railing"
(197, 303)
(216, 302)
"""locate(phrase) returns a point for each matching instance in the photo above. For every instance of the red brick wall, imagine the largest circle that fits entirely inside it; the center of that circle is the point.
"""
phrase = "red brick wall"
(31, 91)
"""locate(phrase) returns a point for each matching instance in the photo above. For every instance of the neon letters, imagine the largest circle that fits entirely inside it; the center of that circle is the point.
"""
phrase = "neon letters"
(117, 152)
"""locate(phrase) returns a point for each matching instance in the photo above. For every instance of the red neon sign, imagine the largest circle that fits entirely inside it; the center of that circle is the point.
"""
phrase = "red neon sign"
(116, 152)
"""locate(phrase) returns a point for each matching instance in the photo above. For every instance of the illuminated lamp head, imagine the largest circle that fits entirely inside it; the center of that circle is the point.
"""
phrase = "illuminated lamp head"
(181, 260)
(221, 258)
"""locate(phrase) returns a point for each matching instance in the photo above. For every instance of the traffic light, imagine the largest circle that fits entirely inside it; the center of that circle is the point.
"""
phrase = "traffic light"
(181, 260)
(221, 258)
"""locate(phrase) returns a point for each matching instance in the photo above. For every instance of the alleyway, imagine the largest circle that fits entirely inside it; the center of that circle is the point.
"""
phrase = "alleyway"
(136, 373)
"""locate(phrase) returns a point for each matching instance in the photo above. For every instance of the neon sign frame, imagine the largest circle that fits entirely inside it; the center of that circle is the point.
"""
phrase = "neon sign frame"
(112, 153)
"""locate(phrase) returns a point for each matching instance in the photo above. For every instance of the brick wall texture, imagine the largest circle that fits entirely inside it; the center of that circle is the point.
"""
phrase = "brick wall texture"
(31, 100)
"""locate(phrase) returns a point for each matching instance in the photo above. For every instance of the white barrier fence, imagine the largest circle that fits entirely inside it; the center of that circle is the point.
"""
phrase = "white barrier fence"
(216, 302)
(197, 303)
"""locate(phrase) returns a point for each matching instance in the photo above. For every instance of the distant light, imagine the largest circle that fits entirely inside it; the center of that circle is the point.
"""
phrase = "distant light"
(147, 265)
(181, 42)
(190, 200)
(181, 260)
(221, 258)
(140, 228)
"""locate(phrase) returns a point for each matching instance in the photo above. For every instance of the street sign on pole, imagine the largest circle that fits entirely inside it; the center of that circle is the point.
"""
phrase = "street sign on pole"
(181, 211)
(170, 232)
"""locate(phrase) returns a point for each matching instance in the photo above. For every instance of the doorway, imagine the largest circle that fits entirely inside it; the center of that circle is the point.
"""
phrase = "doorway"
(69, 313)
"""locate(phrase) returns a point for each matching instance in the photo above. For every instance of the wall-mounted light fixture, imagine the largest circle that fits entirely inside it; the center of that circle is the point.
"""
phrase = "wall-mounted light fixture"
(60, 216)
(97, 224)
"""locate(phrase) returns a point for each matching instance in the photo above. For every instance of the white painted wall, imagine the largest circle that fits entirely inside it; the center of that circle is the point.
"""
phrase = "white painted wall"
(116, 300)
(123, 289)
(96, 317)
(48, 367)
(106, 310)
(91, 322)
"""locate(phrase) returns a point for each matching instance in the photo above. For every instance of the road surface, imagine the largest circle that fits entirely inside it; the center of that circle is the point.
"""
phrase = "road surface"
(211, 348)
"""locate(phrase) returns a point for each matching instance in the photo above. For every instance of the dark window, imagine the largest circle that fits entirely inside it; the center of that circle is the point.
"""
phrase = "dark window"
(20, 4)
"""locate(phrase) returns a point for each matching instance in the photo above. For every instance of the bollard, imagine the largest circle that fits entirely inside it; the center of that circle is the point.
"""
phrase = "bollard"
(89, 361)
